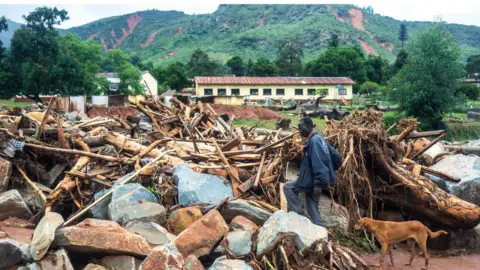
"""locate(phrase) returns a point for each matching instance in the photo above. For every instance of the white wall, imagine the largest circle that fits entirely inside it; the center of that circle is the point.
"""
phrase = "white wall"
(333, 92)
(151, 82)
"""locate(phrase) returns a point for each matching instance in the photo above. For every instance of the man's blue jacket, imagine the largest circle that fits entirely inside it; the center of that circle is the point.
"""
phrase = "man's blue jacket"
(320, 161)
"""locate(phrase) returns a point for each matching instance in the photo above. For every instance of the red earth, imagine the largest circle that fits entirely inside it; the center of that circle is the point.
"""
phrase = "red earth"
(121, 112)
(246, 112)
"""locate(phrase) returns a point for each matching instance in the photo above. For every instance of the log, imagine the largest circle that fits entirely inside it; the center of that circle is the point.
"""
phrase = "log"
(259, 173)
(45, 118)
(425, 134)
(444, 176)
(428, 146)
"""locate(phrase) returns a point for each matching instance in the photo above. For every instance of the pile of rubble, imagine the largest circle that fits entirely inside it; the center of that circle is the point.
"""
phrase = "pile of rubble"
(172, 188)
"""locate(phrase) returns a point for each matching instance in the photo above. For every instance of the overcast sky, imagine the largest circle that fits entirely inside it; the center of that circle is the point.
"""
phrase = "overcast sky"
(451, 11)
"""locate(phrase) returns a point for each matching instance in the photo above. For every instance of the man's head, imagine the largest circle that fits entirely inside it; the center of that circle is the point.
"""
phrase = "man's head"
(305, 126)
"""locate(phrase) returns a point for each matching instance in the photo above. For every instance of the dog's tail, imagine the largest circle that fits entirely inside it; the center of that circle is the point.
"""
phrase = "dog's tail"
(435, 234)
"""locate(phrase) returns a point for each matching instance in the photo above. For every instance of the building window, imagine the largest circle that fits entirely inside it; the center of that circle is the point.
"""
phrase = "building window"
(235, 92)
(208, 92)
(267, 92)
(311, 92)
(280, 92)
(342, 91)
(222, 91)
(254, 92)
(299, 92)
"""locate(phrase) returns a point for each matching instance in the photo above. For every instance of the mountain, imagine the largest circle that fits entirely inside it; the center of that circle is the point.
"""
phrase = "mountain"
(7, 35)
(251, 31)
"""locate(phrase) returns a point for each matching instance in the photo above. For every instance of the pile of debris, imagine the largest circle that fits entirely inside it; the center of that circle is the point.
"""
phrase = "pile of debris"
(173, 188)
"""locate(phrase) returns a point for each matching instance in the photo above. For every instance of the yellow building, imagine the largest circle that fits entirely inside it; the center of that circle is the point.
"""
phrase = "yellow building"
(257, 88)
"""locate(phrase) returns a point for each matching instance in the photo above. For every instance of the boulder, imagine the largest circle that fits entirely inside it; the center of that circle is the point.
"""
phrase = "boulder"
(196, 187)
(241, 207)
(13, 252)
(458, 240)
(182, 218)
(127, 195)
(192, 263)
(32, 266)
(152, 232)
(241, 223)
(94, 236)
(465, 167)
(282, 222)
(12, 205)
(100, 211)
(336, 217)
(92, 266)
(145, 211)
(223, 263)
(57, 260)
(121, 262)
(17, 229)
(5, 172)
(239, 243)
(200, 238)
(44, 234)
(163, 258)
(32, 198)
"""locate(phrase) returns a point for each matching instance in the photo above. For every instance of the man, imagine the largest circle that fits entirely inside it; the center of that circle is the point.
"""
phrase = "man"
(317, 172)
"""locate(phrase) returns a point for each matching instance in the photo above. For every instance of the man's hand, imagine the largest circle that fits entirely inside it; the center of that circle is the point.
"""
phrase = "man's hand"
(317, 191)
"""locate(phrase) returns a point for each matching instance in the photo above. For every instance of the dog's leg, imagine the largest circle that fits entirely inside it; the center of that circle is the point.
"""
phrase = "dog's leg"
(412, 251)
(384, 251)
(423, 247)
(390, 252)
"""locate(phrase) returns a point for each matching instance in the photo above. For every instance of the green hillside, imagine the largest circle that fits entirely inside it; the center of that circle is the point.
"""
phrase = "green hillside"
(6, 36)
(252, 31)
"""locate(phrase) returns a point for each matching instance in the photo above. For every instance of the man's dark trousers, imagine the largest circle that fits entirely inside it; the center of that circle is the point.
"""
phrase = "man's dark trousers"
(291, 194)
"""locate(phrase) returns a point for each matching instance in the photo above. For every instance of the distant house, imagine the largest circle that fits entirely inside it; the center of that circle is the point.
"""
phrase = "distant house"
(260, 88)
(147, 80)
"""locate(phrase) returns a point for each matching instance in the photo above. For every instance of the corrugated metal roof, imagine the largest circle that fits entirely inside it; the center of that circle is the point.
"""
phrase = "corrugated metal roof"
(273, 80)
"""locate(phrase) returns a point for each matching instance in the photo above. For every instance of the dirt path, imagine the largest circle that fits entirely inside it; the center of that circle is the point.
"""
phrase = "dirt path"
(401, 256)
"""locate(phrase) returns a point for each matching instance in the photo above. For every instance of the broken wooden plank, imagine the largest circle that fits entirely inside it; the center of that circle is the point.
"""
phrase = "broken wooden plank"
(271, 145)
(230, 145)
(283, 199)
(425, 134)
(428, 146)
(259, 173)
(45, 117)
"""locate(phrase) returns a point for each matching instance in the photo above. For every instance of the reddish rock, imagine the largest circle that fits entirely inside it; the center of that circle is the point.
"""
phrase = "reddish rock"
(241, 223)
(57, 260)
(182, 218)
(93, 235)
(192, 263)
(164, 257)
(17, 229)
(200, 238)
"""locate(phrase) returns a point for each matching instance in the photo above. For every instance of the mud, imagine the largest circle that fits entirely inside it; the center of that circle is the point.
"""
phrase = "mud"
(401, 256)
(244, 112)
(121, 112)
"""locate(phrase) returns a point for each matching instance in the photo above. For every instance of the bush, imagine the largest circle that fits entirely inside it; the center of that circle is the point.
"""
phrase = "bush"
(471, 91)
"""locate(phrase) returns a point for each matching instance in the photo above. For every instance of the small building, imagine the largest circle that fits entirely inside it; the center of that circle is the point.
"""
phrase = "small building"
(258, 88)
(147, 80)
(229, 100)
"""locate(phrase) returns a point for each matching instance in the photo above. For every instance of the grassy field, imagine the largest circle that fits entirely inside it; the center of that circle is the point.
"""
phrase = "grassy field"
(270, 124)
(10, 104)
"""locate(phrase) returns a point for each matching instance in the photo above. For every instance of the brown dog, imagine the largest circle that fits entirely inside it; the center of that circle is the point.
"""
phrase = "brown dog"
(389, 233)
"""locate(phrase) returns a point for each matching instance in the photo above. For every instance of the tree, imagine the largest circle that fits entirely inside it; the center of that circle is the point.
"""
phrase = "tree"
(119, 62)
(473, 66)
(334, 42)
(370, 88)
(377, 69)
(176, 77)
(425, 87)
(5, 72)
(249, 67)
(401, 60)
(201, 65)
(471, 91)
(236, 66)
(263, 68)
(403, 35)
(35, 54)
(338, 62)
(289, 59)
(135, 60)
(3, 27)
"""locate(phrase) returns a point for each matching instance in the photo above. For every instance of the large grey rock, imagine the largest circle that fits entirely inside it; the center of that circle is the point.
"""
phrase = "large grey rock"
(92, 266)
(32, 198)
(44, 234)
(241, 207)
(239, 243)
(127, 195)
(100, 210)
(333, 217)
(145, 211)
(223, 263)
(152, 232)
(13, 252)
(282, 222)
(465, 167)
(12, 205)
(121, 262)
(196, 187)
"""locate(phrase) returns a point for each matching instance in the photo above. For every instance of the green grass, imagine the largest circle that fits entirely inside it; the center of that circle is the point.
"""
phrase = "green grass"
(270, 124)
(10, 104)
